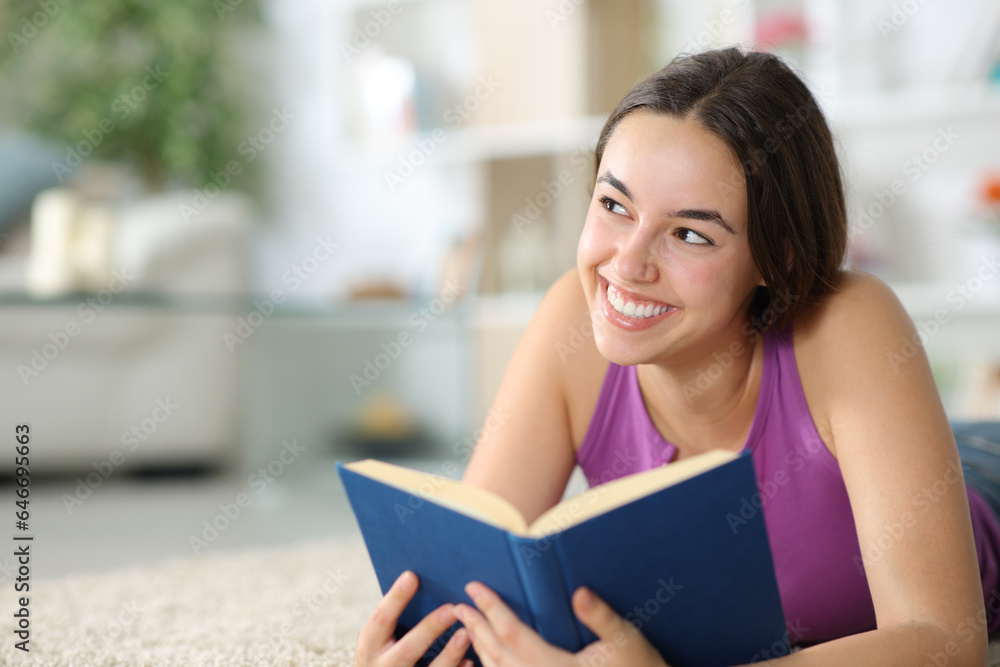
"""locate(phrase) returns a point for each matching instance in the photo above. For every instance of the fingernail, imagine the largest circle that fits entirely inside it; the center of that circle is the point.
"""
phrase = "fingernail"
(586, 598)
(472, 590)
(461, 638)
(447, 614)
(408, 580)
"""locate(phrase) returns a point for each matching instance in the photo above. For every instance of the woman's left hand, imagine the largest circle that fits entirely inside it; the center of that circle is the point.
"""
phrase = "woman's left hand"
(500, 639)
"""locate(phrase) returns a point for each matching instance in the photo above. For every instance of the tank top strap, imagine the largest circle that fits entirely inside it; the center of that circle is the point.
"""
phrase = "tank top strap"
(785, 423)
(774, 351)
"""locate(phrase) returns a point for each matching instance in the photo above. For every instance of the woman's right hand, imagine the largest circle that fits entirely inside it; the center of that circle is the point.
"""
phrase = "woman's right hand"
(377, 647)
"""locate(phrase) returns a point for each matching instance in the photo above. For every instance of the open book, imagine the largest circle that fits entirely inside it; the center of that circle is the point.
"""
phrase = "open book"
(657, 546)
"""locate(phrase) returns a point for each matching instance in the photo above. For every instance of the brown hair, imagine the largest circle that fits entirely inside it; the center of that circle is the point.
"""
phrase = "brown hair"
(796, 217)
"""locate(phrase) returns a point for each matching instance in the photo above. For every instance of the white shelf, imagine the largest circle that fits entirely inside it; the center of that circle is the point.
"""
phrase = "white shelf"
(923, 299)
(479, 144)
(920, 105)
(548, 137)
(566, 135)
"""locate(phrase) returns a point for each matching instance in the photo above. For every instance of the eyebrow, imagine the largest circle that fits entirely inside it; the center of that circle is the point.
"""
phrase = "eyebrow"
(612, 180)
(699, 214)
(689, 213)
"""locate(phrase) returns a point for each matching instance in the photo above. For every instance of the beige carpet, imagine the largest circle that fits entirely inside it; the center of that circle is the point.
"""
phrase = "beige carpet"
(298, 606)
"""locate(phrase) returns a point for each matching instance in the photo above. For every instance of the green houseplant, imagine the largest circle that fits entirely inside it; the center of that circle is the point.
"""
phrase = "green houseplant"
(152, 84)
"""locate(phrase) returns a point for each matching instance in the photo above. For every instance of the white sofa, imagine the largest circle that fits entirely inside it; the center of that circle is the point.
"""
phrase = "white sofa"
(136, 376)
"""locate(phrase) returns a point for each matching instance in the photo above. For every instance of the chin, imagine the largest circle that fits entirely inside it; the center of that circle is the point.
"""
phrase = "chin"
(615, 348)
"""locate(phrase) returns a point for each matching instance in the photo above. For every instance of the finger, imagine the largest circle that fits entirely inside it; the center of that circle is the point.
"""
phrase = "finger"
(505, 622)
(419, 638)
(616, 634)
(454, 650)
(484, 640)
(597, 615)
(497, 628)
(382, 623)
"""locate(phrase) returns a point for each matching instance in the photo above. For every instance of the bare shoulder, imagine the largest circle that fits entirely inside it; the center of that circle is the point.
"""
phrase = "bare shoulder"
(850, 344)
(861, 308)
(565, 316)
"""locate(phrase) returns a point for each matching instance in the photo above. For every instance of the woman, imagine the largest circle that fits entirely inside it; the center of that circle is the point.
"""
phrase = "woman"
(709, 273)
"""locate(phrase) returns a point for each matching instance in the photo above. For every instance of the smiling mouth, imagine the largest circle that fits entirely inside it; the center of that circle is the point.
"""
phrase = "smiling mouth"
(634, 308)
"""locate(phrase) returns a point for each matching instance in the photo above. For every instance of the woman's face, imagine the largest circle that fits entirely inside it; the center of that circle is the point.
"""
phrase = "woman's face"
(663, 257)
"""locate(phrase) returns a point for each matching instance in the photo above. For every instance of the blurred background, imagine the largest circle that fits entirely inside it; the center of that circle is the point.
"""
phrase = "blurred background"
(242, 239)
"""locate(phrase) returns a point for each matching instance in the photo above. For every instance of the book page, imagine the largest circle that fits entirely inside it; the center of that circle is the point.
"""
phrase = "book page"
(622, 491)
(468, 500)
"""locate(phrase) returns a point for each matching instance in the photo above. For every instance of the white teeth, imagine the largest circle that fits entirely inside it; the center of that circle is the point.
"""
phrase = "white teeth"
(630, 309)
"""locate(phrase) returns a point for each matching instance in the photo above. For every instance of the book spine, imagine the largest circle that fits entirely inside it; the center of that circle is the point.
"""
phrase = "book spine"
(545, 589)
(585, 634)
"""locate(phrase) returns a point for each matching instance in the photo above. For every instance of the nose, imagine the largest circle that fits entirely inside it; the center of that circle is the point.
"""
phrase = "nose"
(634, 261)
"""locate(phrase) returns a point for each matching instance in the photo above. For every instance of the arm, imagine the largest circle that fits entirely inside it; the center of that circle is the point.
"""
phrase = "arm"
(892, 441)
(528, 460)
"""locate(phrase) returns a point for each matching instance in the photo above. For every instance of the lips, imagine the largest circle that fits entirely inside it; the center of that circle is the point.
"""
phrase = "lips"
(629, 310)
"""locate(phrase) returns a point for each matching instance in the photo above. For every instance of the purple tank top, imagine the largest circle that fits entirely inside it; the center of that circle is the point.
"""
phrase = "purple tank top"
(817, 560)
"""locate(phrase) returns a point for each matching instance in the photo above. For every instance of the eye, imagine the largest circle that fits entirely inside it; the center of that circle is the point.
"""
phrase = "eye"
(613, 206)
(692, 237)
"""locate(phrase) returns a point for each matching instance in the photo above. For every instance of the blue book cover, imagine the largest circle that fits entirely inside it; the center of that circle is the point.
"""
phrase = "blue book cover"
(657, 546)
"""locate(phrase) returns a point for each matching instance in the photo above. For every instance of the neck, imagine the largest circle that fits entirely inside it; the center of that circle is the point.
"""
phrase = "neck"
(708, 402)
